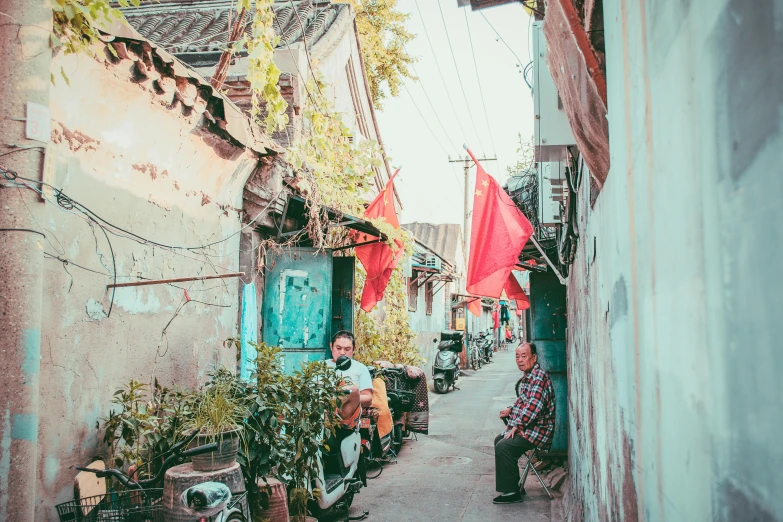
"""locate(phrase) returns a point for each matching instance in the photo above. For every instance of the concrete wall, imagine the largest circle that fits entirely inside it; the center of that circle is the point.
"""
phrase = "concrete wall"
(675, 295)
(138, 161)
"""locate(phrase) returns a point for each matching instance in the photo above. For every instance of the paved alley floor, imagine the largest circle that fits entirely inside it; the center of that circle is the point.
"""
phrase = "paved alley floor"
(449, 475)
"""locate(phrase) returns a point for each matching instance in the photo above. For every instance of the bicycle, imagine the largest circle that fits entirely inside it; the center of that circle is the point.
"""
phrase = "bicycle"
(475, 355)
(142, 501)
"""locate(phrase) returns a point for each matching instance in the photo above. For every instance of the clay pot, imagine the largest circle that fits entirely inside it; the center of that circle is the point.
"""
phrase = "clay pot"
(278, 502)
(224, 457)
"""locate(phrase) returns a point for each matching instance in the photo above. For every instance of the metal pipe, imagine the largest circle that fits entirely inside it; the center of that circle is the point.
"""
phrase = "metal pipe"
(24, 42)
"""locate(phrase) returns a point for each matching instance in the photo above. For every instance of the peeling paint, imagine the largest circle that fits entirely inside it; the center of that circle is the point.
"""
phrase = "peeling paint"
(94, 310)
(51, 468)
(32, 358)
(5, 464)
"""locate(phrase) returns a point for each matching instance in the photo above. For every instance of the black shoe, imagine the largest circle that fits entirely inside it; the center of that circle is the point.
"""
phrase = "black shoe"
(507, 499)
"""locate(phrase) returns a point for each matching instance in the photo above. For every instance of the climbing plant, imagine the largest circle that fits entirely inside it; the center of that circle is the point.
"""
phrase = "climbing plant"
(383, 37)
(262, 73)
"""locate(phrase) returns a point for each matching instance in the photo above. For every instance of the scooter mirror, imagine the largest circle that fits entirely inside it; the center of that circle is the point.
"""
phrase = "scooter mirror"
(343, 363)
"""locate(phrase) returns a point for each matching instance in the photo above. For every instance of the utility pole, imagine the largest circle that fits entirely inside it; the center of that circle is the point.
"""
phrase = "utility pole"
(466, 213)
(24, 44)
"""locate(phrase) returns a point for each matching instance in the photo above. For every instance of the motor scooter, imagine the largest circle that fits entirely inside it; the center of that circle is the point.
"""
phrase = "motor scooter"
(485, 342)
(445, 369)
(338, 477)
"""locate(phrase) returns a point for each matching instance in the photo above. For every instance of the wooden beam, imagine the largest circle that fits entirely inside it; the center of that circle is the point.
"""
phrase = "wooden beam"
(175, 280)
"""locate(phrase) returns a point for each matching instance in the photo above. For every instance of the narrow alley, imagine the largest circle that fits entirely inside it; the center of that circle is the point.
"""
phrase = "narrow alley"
(450, 474)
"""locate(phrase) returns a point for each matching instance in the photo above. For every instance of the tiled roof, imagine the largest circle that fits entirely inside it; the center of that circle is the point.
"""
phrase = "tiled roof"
(193, 26)
(443, 239)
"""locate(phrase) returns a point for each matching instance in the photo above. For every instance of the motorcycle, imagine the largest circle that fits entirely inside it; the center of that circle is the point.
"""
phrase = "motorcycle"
(485, 342)
(389, 413)
(339, 477)
(445, 370)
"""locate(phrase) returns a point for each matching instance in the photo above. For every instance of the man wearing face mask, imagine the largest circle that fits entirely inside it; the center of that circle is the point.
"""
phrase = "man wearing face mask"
(530, 424)
(357, 377)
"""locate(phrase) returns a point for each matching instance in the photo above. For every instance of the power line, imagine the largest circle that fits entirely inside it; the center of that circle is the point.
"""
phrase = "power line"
(445, 88)
(459, 78)
(443, 127)
(478, 79)
(519, 61)
(425, 120)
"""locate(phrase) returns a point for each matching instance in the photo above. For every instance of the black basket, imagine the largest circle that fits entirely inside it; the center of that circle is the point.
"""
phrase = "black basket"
(401, 400)
(117, 506)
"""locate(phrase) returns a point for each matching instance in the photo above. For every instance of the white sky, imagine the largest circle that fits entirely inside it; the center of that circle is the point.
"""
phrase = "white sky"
(431, 188)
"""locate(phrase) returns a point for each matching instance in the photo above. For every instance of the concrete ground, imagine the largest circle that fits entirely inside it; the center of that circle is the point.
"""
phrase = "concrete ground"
(449, 475)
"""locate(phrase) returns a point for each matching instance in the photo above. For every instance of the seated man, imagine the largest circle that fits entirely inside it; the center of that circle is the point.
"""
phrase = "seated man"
(357, 377)
(531, 423)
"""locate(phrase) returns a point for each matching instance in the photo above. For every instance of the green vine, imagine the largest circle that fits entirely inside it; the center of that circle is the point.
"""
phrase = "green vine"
(262, 73)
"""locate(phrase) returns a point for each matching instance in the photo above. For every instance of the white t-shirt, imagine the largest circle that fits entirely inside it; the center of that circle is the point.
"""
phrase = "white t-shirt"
(357, 374)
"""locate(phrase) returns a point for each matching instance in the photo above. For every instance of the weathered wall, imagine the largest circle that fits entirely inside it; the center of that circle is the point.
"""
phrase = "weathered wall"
(145, 163)
(428, 327)
(675, 295)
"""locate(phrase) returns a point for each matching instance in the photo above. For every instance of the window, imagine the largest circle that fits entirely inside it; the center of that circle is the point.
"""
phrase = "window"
(413, 293)
(428, 298)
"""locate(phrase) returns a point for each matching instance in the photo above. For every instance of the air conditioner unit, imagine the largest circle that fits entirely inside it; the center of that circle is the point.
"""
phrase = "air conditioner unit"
(552, 131)
(552, 190)
(432, 261)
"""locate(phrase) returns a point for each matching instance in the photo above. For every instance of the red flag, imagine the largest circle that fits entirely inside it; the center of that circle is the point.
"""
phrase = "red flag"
(475, 307)
(378, 259)
(514, 291)
(499, 233)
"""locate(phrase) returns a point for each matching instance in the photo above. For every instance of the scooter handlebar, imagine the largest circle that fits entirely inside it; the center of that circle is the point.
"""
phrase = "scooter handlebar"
(200, 450)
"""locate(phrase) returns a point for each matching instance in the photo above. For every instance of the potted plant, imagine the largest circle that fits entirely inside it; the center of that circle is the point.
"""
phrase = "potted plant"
(313, 400)
(144, 423)
(218, 413)
(266, 443)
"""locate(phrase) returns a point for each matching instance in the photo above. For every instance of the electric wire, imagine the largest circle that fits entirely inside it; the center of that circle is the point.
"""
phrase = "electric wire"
(425, 120)
(519, 60)
(437, 65)
(429, 101)
(478, 80)
(459, 78)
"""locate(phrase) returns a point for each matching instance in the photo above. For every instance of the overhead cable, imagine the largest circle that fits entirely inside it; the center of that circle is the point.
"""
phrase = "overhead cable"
(478, 79)
(445, 87)
(459, 78)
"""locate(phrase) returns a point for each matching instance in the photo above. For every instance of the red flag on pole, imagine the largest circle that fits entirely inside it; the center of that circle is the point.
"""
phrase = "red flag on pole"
(475, 307)
(514, 291)
(379, 259)
(499, 232)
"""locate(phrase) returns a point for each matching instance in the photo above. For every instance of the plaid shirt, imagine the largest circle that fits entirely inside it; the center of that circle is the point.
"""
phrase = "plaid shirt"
(533, 413)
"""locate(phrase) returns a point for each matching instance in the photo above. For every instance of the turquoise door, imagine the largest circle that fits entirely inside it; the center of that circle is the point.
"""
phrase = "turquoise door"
(548, 331)
(297, 308)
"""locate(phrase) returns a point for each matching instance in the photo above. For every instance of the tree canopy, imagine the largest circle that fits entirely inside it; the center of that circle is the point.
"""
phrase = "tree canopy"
(383, 37)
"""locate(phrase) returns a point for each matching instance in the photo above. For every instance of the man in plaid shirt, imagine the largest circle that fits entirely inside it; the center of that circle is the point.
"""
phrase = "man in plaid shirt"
(530, 423)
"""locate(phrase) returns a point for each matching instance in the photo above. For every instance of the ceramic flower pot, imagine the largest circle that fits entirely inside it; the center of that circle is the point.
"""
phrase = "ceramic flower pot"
(224, 457)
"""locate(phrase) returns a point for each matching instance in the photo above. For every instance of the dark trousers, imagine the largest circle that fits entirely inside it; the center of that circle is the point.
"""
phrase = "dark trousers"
(507, 455)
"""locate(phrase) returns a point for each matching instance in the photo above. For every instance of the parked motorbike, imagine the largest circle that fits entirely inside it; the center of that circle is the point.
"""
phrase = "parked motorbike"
(445, 370)
(379, 447)
(485, 342)
(400, 403)
(338, 478)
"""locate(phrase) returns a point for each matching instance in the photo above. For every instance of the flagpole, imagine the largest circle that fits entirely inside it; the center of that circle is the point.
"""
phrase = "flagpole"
(532, 237)
(549, 261)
